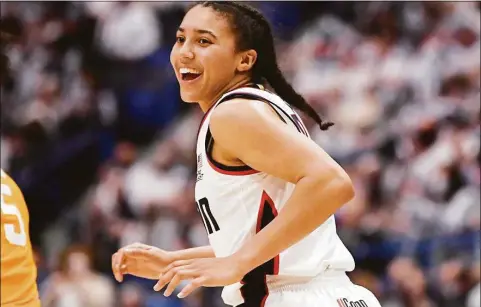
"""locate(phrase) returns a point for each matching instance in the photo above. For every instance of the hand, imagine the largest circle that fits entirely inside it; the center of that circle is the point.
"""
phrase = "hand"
(202, 272)
(450, 271)
(140, 260)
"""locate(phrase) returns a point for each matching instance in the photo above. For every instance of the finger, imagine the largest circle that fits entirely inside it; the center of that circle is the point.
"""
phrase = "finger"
(166, 276)
(177, 279)
(112, 262)
(178, 263)
(138, 252)
(114, 266)
(139, 245)
(166, 269)
(117, 260)
(124, 269)
(172, 285)
(163, 280)
(191, 287)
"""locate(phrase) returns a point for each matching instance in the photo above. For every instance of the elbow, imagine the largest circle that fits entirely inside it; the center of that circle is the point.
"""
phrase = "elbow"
(346, 188)
(341, 186)
(337, 185)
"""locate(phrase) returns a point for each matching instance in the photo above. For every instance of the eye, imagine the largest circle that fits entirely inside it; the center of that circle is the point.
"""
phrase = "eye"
(180, 39)
(204, 41)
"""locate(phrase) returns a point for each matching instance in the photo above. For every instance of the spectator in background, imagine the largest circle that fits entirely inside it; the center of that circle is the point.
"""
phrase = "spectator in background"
(122, 23)
(75, 284)
(131, 295)
(110, 214)
(401, 81)
(44, 108)
(409, 285)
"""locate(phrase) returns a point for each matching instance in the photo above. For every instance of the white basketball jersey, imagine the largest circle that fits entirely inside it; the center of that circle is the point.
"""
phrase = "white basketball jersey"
(237, 202)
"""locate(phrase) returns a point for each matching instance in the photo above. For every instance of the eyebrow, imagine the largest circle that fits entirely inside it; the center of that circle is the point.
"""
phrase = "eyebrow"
(200, 31)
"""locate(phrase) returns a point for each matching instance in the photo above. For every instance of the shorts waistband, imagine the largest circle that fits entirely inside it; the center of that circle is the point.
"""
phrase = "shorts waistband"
(278, 283)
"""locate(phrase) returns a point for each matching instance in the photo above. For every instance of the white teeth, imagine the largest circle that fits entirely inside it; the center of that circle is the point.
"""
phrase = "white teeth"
(188, 71)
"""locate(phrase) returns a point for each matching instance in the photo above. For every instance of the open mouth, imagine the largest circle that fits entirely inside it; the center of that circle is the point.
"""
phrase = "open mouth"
(189, 74)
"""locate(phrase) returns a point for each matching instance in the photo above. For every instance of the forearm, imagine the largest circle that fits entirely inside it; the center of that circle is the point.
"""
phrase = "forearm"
(192, 253)
(310, 205)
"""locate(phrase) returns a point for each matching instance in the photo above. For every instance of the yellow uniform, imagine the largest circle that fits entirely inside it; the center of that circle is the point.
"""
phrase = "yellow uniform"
(18, 271)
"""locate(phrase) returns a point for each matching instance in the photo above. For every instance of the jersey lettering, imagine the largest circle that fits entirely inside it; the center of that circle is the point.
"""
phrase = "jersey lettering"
(210, 223)
(344, 302)
(13, 237)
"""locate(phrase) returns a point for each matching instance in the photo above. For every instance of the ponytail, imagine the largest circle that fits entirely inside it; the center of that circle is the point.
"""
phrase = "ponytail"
(269, 70)
(253, 32)
(278, 82)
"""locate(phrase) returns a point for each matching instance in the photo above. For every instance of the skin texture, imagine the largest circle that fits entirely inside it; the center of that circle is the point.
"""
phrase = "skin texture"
(245, 132)
(321, 188)
(205, 42)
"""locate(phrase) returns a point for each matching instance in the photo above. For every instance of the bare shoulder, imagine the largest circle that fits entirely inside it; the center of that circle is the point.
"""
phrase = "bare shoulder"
(240, 114)
(242, 124)
(252, 132)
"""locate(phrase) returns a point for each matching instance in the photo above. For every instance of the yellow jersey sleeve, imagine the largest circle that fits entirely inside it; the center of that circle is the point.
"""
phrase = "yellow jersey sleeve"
(18, 270)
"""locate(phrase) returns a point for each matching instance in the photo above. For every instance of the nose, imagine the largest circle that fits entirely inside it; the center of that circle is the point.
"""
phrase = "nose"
(186, 52)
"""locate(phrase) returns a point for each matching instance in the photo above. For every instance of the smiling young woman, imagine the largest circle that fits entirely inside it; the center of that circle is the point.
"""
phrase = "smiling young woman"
(265, 191)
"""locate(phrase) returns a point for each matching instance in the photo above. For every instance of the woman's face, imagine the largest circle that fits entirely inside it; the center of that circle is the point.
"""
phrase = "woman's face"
(78, 263)
(204, 56)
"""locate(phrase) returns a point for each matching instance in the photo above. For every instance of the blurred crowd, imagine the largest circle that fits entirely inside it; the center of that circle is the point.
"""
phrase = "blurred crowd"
(94, 132)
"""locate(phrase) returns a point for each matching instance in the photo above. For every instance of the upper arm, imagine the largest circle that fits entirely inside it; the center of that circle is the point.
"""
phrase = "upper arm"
(251, 132)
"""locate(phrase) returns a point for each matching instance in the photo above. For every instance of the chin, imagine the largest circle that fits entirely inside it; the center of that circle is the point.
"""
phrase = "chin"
(189, 97)
(189, 101)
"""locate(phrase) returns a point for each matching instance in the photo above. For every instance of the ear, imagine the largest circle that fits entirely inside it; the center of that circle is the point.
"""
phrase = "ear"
(248, 59)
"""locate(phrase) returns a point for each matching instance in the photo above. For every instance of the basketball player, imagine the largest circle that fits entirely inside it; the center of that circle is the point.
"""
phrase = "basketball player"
(18, 271)
(266, 192)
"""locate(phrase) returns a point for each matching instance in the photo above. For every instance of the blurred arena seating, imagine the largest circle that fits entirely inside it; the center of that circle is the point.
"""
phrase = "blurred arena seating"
(95, 134)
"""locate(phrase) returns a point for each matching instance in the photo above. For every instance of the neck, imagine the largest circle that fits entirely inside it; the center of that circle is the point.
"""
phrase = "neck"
(236, 83)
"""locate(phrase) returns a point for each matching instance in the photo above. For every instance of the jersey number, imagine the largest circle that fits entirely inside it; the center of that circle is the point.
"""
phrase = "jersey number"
(16, 238)
(209, 221)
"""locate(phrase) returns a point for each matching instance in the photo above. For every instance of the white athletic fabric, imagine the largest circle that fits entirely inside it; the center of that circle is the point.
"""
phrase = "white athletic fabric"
(332, 289)
(230, 205)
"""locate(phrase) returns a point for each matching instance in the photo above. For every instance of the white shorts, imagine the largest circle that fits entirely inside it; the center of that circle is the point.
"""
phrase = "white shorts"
(329, 290)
